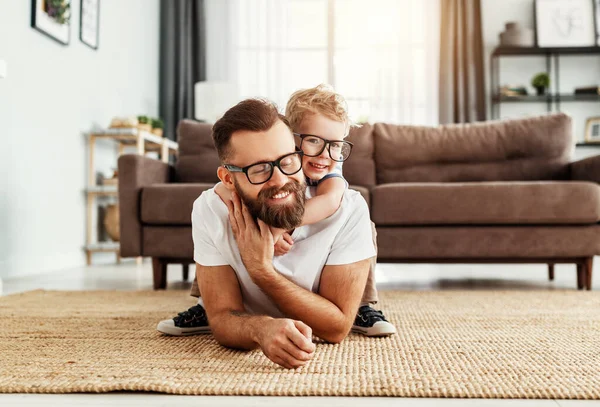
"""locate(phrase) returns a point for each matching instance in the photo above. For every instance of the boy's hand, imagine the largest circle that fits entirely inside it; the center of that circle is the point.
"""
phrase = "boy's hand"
(283, 244)
(223, 192)
(276, 232)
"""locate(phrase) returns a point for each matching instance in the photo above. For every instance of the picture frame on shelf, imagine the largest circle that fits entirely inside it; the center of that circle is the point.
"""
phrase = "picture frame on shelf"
(89, 23)
(592, 130)
(565, 23)
(52, 18)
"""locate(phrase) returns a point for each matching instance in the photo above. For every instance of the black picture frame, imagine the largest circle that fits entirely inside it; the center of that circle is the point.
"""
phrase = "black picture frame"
(41, 22)
(90, 42)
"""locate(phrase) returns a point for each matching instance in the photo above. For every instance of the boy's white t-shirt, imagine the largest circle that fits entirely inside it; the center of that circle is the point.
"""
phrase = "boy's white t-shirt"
(343, 238)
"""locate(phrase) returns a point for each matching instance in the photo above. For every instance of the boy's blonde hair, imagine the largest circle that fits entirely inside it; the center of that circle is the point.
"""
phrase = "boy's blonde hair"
(321, 99)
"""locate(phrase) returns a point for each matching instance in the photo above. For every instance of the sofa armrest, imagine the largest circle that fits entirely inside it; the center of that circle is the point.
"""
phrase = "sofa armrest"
(587, 169)
(135, 173)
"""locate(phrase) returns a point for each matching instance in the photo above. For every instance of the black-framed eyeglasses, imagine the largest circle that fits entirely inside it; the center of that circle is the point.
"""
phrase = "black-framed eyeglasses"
(261, 172)
(313, 146)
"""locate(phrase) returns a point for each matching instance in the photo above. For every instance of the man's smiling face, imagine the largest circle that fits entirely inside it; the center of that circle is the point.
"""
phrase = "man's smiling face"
(279, 202)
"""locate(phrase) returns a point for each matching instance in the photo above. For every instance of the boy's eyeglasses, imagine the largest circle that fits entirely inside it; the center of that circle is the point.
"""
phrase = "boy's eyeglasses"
(260, 173)
(313, 146)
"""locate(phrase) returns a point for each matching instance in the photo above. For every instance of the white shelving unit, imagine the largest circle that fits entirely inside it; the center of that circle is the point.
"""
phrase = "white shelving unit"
(144, 142)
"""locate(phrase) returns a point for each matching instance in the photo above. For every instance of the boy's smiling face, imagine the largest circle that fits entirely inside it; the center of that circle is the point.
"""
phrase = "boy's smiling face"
(319, 125)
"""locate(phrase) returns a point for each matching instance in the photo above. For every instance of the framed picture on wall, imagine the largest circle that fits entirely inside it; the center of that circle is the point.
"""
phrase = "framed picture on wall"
(592, 130)
(53, 18)
(89, 25)
(565, 23)
(597, 17)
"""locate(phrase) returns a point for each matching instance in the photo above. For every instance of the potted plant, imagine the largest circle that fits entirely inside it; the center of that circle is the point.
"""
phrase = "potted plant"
(540, 82)
(144, 123)
(157, 126)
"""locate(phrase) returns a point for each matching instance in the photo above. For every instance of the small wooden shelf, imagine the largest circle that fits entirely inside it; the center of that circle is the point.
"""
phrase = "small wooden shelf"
(99, 190)
(143, 141)
(103, 246)
(588, 144)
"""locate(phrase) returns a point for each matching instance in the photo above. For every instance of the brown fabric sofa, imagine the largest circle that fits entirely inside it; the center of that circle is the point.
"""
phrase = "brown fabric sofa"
(493, 192)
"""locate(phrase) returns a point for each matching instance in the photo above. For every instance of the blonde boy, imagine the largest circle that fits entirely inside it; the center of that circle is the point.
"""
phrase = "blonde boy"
(319, 118)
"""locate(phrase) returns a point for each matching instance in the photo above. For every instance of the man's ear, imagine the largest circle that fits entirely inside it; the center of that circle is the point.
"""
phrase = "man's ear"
(225, 177)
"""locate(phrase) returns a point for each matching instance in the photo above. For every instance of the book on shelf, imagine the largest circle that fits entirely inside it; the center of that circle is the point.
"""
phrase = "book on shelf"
(588, 90)
(512, 91)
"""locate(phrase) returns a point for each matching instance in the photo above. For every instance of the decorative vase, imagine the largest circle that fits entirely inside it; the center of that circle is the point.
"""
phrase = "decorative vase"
(158, 132)
(516, 36)
(541, 90)
(111, 222)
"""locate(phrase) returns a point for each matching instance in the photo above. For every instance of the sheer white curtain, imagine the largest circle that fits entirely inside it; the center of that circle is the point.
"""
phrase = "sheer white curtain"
(381, 55)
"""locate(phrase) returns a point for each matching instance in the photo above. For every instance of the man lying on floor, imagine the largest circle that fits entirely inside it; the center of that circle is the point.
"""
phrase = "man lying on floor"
(253, 299)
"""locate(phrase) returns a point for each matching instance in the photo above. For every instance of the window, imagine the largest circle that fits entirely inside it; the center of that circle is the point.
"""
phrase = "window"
(381, 55)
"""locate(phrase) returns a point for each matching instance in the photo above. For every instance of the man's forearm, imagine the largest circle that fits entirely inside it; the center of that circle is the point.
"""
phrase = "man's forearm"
(236, 329)
(324, 317)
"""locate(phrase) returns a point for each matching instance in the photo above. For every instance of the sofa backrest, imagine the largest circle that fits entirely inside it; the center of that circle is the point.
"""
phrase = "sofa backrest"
(360, 167)
(198, 160)
(537, 148)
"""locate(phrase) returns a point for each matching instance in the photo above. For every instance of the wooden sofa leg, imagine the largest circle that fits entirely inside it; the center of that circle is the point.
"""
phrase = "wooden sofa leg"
(186, 271)
(159, 271)
(580, 276)
(551, 271)
(589, 268)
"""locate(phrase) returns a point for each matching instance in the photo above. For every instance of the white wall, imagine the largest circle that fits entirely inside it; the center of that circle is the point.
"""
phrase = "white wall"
(575, 71)
(220, 66)
(53, 94)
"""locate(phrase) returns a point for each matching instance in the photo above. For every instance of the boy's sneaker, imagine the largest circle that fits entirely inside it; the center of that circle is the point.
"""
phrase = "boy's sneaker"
(370, 322)
(190, 322)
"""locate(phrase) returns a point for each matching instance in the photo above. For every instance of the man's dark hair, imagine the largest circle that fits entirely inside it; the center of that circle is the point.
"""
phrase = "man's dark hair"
(249, 114)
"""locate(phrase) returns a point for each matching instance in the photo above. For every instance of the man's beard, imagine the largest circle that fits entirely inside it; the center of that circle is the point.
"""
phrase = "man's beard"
(283, 216)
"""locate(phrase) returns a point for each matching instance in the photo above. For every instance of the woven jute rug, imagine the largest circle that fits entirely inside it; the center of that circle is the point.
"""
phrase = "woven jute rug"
(486, 344)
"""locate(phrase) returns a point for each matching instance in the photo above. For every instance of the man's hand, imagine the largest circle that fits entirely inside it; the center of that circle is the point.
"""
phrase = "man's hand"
(283, 244)
(255, 243)
(287, 342)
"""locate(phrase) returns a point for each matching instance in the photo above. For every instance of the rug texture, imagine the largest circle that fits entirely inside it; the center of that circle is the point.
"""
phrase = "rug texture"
(486, 344)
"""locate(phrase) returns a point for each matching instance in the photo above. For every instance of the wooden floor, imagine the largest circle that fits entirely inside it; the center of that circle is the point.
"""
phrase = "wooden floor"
(129, 276)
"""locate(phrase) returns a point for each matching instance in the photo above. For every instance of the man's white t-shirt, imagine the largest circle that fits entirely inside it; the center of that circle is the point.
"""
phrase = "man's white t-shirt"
(343, 238)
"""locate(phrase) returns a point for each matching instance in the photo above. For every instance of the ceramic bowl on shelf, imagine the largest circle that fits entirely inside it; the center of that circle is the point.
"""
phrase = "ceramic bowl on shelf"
(516, 36)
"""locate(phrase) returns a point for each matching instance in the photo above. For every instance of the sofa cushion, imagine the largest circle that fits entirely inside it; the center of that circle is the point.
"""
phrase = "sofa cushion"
(486, 243)
(529, 149)
(197, 160)
(486, 203)
(360, 167)
(170, 204)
